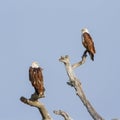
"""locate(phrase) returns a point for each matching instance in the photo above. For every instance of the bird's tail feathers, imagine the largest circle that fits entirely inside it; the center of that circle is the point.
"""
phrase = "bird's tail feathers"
(91, 56)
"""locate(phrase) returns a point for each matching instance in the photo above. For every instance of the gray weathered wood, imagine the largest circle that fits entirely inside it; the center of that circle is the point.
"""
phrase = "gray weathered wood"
(75, 82)
(63, 114)
(35, 103)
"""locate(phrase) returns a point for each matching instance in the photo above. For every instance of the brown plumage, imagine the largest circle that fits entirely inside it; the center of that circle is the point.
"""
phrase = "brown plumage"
(36, 78)
(88, 43)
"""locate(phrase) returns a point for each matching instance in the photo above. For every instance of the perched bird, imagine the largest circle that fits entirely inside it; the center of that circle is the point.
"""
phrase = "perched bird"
(36, 79)
(88, 43)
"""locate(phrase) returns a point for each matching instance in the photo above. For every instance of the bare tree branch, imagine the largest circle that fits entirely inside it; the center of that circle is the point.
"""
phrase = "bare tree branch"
(63, 114)
(35, 103)
(75, 82)
(82, 61)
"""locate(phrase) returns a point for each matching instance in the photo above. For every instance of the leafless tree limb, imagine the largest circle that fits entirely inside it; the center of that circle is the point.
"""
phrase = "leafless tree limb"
(75, 82)
(35, 103)
(80, 62)
(63, 114)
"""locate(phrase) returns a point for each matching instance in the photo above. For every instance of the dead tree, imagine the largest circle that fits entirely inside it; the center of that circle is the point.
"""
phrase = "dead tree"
(73, 82)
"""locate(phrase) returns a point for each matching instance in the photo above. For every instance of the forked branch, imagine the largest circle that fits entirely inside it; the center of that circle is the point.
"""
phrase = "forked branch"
(35, 103)
(75, 82)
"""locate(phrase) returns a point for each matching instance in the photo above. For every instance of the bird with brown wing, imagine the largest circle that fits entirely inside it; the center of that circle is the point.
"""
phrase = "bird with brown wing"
(88, 43)
(36, 79)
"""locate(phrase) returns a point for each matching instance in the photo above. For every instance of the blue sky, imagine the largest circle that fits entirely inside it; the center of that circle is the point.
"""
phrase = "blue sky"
(45, 30)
